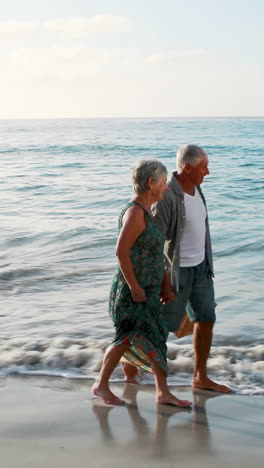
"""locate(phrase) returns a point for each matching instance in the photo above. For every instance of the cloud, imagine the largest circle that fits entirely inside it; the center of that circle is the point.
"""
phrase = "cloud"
(75, 91)
(64, 64)
(69, 62)
(77, 27)
(10, 30)
(69, 78)
(81, 27)
(178, 57)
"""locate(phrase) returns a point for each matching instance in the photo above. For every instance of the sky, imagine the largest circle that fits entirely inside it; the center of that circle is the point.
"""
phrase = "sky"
(131, 58)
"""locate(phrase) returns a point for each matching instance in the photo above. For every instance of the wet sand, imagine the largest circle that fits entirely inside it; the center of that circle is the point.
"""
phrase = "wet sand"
(48, 422)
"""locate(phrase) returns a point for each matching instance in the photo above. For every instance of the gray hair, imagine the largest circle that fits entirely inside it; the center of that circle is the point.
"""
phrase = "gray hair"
(191, 154)
(144, 169)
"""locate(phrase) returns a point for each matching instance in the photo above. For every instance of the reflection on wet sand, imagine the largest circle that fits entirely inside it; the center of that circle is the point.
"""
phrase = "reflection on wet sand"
(192, 432)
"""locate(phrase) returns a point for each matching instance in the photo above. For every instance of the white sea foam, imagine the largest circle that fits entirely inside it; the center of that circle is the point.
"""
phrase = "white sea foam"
(240, 367)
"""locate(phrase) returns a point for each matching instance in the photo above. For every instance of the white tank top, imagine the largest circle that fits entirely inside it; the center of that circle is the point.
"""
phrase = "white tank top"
(192, 245)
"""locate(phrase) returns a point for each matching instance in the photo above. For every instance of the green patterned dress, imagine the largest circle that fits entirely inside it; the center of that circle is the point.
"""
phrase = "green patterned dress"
(141, 324)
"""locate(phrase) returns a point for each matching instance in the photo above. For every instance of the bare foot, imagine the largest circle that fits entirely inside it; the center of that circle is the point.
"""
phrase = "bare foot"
(133, 381)
(170, 399)
(208, 384)
(105, 394)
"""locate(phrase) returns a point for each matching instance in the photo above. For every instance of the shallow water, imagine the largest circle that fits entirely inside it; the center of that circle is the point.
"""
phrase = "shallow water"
(63, 184)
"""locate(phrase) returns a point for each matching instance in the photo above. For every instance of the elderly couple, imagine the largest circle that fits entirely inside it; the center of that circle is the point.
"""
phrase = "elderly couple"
(151, 279)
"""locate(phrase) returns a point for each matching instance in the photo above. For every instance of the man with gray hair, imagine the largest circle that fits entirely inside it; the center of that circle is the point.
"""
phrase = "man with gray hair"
(182, 217)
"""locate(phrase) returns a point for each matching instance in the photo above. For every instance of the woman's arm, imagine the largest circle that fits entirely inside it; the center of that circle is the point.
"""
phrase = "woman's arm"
(133, 225)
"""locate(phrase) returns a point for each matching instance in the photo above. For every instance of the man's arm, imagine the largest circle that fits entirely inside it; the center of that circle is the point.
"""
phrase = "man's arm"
(166, 291)
(163, 215)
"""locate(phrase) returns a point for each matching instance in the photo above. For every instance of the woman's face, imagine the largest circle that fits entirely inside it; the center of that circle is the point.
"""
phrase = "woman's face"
(158, 187)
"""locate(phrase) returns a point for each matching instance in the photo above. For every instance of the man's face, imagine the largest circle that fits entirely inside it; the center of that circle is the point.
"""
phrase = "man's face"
(198, 172)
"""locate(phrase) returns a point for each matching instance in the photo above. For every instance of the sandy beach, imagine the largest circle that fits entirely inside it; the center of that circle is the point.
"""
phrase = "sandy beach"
(56, 422)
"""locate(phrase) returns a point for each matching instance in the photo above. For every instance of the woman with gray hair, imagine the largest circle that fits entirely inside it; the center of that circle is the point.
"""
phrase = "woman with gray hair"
(136, 297)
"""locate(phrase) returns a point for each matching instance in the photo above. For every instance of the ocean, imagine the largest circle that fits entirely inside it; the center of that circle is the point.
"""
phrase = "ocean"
(63, 185)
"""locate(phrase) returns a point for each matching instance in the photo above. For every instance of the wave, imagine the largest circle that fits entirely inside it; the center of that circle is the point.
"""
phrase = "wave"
(52, 149)
(242, 248)
(49, 237)
(20, 273)
(239, 366)
(30, 187)
(92, 149)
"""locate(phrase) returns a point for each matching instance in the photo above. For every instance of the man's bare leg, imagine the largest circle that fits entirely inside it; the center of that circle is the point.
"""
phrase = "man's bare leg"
(202, 340)
(101, 388)
(130, 372)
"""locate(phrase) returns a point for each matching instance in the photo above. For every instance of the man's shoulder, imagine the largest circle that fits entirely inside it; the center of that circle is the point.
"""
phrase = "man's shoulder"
(174, 187)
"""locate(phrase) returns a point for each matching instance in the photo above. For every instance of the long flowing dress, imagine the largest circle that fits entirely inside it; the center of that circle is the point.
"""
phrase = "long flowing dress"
(141, 324)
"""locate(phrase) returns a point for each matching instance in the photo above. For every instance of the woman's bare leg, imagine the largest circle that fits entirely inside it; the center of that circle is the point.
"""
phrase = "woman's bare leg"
(101, 388)
(163, 395)
(130, 372)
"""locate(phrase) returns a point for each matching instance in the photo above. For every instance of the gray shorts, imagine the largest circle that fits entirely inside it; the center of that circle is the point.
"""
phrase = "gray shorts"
(195, 296)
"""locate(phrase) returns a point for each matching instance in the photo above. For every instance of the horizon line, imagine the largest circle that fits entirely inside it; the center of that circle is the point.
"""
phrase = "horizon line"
(137, 117)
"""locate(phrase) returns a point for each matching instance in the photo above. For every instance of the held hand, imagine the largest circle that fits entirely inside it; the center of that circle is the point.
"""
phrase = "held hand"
(167, 293)
(138, 294)
(172, 296)
(168, 296)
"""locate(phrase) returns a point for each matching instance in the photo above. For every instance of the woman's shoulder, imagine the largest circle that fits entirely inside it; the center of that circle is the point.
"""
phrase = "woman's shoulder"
(132, 217)
(133, 210)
